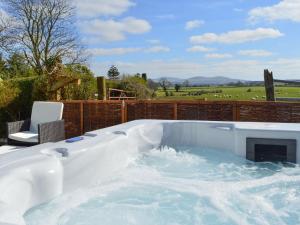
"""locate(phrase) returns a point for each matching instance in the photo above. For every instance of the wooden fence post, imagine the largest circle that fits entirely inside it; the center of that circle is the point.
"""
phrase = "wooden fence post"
(269, 85)
(175, 111)
(81, 118)
(101, 86)
(236, 112)
(123, 112)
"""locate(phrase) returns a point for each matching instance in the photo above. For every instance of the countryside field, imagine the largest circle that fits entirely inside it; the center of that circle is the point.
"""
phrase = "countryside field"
(256, 93)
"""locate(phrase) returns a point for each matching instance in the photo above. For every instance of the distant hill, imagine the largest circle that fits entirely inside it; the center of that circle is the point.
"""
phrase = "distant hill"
(219, 80)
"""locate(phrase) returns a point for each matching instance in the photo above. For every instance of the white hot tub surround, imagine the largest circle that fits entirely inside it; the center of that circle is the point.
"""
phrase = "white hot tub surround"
(38, 174)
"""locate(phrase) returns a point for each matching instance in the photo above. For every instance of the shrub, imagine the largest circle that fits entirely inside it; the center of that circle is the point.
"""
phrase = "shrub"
(138, 85)
(115, 84)
(15, 100)
(87, 88)
(66, 85)
(7, 93)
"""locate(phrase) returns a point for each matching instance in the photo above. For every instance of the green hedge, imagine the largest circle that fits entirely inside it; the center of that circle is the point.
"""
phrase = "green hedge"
(19, 107)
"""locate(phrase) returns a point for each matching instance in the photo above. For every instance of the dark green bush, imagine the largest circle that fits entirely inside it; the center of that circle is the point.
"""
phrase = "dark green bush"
(16, 100)
(137, 85)
(115, 84)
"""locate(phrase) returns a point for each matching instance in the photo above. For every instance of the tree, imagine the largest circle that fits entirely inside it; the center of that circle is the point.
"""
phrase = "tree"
(5, 23)
(185, 83)
(88, 87)
(44, 32)
(164, 83)
(17, 66)
(3, 68)
(137, 85)
(113, 73)
(144, 76)
(152, 84)
(177, 87)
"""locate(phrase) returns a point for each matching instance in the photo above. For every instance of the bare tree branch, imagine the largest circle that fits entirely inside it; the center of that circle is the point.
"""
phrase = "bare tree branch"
(4, 32)
(44, 30)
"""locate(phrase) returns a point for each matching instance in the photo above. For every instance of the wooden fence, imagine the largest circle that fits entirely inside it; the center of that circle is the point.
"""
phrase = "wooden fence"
(83, 116)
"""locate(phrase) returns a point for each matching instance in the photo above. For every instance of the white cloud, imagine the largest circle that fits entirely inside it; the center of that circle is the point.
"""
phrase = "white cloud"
(123, 51)
(113, 30)
(112, 51)
(218, 56)
(95, 8)
(199, 48)
(284, 10)
(242, 69)
(193, 24)
(156, 49)
(255, 53)
(237, 36)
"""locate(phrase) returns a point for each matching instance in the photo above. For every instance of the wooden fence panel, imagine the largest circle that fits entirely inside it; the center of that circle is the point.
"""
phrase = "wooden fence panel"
(270, 112)
(200, 111)
(83, 116)
(99, 115)
(73, 118)
(149, 110)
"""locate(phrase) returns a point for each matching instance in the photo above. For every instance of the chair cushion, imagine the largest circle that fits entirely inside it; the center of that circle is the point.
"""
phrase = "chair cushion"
(25, 136)
(44, 112)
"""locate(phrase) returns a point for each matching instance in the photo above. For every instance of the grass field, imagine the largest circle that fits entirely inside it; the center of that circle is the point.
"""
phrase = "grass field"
(226, 93)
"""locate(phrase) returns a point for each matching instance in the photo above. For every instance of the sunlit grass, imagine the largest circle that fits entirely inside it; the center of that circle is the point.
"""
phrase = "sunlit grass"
(228, 93)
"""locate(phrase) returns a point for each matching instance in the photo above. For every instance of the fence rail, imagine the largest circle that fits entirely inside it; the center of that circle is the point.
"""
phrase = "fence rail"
(83, 116)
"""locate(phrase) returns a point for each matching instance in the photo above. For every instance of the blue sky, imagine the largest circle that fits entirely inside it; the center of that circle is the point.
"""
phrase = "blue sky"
(234, 38)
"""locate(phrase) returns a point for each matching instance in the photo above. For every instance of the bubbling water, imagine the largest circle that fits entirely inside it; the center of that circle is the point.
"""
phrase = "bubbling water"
(183, 187)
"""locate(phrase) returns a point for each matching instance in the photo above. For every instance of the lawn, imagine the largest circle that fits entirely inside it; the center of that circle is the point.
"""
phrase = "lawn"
(226, 93)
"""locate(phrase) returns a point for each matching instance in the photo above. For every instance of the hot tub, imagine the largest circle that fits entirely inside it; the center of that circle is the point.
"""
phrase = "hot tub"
(156, 172)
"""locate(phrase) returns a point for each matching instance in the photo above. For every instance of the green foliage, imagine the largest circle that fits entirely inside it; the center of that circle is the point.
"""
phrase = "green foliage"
(88, 84)
(15, 66)
(40, 88)
(115, 84)
(138, 85)
(18, 94)
(7, 93)
(15, 100)
(113, 73)
(20, 107)
(72, 82)
(177, 87)
(3, 68)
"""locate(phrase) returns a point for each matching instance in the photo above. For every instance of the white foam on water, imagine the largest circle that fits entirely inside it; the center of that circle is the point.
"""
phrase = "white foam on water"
(183, 186)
